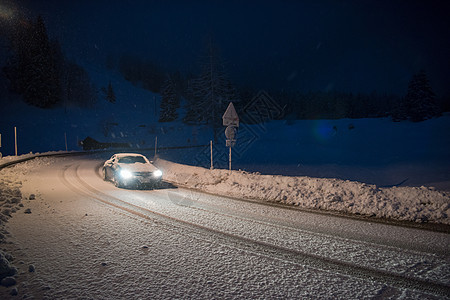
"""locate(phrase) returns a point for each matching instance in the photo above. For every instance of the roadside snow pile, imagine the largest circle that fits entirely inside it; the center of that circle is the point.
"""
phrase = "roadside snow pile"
(8, 160)
(6, 268)
(10, 198)
(417, 204)
(10, 202)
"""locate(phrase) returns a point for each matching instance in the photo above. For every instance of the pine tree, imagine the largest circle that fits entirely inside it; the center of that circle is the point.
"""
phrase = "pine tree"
(210, 93)
(170, 101)
(77, 86)
(109, 93)
(399, 112)
(33, 70)
(419, 104)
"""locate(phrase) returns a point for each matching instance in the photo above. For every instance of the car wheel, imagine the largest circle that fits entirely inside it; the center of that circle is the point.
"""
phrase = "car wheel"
(117, 182)
(104, 174)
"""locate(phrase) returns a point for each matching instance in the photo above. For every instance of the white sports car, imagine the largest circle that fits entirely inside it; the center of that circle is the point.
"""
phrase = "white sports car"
(131, 169)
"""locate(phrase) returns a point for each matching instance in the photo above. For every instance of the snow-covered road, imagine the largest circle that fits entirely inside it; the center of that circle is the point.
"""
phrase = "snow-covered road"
(89, 239)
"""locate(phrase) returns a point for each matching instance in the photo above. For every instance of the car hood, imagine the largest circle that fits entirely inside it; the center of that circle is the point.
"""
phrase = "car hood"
(138, 167)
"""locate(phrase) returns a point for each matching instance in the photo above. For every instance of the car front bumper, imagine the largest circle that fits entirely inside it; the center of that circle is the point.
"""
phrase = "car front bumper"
(141, 179)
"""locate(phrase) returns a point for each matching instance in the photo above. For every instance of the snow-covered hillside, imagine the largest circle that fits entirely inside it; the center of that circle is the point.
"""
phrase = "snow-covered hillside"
(374, 151)
(132, 119)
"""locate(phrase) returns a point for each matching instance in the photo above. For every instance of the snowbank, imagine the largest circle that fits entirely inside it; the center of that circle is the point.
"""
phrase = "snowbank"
(10, 198)
(417, 204)
(10, 160)
(10, 202)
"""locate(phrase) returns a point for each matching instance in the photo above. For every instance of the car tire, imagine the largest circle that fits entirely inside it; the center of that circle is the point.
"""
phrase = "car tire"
(104, 174)
(117, 182)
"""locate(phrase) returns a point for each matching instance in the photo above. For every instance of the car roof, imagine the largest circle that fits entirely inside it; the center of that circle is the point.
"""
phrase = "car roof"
(118, 155)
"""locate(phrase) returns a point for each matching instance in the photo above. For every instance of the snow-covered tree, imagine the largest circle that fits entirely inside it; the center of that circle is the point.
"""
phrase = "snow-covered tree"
(210, 93)
(170, 101)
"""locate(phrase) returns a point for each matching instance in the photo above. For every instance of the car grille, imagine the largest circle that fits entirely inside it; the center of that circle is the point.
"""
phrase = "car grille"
(143, 174)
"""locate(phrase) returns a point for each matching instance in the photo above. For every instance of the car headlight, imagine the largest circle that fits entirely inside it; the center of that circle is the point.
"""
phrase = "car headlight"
(125, 174)
(157, 173)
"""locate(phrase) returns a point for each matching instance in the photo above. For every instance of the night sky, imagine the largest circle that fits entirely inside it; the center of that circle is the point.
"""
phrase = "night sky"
(352, 46)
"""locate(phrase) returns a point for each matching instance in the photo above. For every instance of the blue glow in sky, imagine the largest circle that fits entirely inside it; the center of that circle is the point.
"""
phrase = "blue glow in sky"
(353, 45)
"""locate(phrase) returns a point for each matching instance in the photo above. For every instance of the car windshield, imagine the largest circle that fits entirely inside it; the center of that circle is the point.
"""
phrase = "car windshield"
(132, 160)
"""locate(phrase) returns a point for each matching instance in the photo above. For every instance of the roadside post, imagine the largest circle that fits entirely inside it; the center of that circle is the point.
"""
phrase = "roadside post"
(211, 149)
(231, 120)
(15, 140)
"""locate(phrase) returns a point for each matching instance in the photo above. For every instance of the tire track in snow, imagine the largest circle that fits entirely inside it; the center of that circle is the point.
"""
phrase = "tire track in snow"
(430, 265)
(255, 246)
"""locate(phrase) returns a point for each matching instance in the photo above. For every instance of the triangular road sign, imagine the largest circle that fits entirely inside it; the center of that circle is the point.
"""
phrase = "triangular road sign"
(230, 117)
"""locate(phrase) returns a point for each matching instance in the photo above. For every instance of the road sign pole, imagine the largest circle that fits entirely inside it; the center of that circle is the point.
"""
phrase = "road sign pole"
(211, 148)
(231, 120)
(230, 157)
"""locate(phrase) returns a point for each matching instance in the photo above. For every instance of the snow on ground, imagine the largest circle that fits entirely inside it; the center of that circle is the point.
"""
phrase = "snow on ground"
(84, 250)
(10, 193)
(417, 204)
(332, 164)
(10, 203)
(10, 160)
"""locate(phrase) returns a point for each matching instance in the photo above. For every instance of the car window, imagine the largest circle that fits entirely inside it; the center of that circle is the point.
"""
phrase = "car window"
(132, 160)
